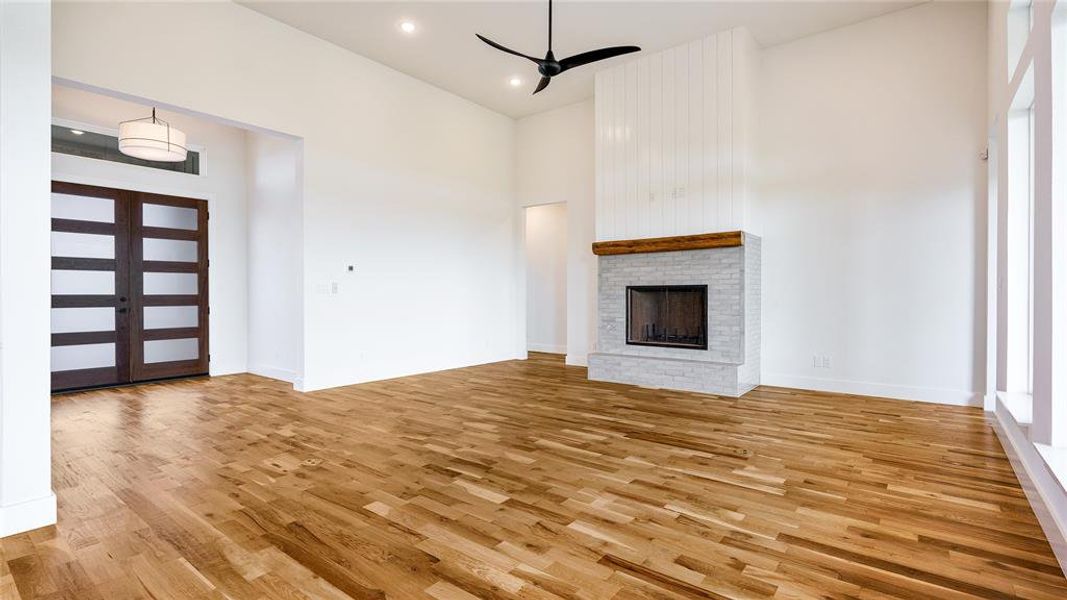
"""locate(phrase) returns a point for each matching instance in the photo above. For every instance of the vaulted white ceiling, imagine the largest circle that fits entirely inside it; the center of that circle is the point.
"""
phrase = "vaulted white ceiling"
(444, 52)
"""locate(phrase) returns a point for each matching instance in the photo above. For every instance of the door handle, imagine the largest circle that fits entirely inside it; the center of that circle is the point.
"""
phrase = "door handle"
(121, 309)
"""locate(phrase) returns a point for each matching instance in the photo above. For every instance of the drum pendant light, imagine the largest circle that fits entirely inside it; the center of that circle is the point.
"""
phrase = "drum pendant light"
(153, 139)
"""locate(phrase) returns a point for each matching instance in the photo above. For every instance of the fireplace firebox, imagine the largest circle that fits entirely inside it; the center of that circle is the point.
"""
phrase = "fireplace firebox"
(674, 316)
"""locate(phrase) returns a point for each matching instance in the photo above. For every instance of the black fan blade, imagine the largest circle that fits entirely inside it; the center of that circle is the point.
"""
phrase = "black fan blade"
(506, 49)
(543, 84)
(594, 55)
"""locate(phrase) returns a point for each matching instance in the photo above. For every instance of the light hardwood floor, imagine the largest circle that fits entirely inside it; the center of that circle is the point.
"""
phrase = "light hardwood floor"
(524, 480)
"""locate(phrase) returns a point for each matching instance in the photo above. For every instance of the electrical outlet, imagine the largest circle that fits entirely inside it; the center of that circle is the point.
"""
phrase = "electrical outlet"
(825, 362)
(334, 287)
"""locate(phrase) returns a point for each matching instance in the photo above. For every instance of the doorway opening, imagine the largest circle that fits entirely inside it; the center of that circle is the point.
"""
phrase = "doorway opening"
(251, 180)
(546, 278)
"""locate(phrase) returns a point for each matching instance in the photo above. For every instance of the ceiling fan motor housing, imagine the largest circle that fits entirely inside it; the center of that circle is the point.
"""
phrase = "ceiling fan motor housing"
(549, 67)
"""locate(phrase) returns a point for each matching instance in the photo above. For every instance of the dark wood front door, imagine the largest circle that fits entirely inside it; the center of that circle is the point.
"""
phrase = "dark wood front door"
(129, 286)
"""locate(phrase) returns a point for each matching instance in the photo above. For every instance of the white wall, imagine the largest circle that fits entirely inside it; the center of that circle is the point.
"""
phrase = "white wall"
(275, 258)
(26, 498)
(222, 182)
(554, 158)
(546, 278)
(674, 133)
(871, 201)
(410, 184)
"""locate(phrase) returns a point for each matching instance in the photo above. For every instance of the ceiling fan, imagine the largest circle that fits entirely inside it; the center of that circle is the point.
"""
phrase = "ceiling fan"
(549, 67)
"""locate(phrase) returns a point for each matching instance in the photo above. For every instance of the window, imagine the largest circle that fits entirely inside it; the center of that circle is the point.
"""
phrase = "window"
(1030, 248)
(1020, 246)
(1058, 375)
(1032, 340)
(88, 144)
(1020, 22)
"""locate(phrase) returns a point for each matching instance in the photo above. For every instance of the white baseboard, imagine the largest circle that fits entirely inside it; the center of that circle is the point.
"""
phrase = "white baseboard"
(1046, 495)
(550, 348)
(577, 360)
(275, 373)
(862, 388)
(31, 514)
(306, 384)
(221, 369)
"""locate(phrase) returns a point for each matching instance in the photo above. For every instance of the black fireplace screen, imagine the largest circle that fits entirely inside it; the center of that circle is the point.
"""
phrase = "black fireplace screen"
(667, 315)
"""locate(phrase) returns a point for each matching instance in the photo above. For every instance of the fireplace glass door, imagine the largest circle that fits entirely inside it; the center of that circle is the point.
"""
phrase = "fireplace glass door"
(670, 315)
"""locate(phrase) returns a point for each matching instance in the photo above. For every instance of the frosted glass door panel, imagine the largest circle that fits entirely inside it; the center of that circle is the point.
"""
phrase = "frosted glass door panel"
(167, 317)
(76, 320)
(170, 230)
(157, 351)
(174, 217)
(170, 283)
(82, 245)
(83, 208)
(171, 250)
(83, 282)
(85, 356)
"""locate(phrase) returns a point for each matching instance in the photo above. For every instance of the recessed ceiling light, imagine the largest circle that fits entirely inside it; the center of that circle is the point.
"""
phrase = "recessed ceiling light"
(407, 26)
(77, 132)
(515, 82)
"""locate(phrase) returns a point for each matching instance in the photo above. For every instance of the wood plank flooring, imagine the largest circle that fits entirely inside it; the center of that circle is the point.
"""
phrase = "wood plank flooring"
(524, 480)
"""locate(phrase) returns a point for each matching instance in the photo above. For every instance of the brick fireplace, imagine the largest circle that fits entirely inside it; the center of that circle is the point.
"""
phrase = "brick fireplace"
(655, 338)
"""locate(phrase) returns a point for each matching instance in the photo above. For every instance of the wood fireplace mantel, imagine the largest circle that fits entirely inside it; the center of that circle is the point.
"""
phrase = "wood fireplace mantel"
(701, 241)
